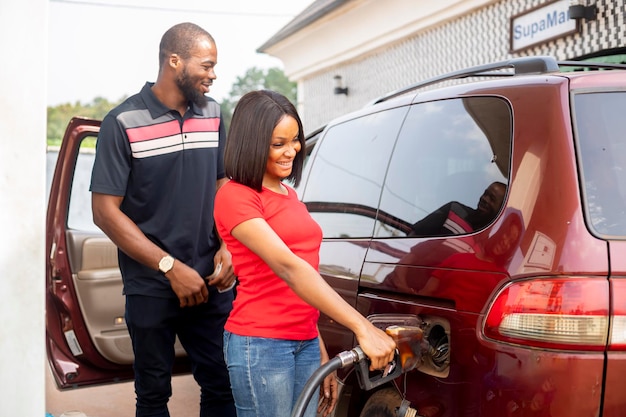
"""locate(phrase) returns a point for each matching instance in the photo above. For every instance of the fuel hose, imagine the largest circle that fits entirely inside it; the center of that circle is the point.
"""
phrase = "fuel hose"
(342, 360)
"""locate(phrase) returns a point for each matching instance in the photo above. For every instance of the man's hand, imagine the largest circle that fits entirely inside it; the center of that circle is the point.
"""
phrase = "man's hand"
(223, 276)
(188, 285)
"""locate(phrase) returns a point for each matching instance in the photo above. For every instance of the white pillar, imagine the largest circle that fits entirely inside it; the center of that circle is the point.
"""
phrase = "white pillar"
(23, 37)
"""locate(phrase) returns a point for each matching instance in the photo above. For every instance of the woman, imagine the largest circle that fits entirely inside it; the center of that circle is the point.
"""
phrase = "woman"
(271, 342)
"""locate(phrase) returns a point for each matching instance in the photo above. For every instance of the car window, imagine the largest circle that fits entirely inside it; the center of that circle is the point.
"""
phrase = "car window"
(52, 155)
(80, 216)
(449, 169)
(600, 124)
(346, 174)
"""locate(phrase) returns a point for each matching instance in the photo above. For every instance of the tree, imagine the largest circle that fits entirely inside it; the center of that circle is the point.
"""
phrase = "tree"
(257, 79)
(59, 116)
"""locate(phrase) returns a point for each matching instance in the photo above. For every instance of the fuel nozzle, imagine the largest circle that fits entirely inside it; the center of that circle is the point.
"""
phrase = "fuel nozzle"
(410, 343)
(410, 346)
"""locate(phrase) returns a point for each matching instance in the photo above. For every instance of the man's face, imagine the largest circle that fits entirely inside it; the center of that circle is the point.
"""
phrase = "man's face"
(198, 72)
(491, 200)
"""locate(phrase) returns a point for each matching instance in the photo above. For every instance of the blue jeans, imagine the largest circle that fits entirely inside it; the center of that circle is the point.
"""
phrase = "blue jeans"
(268, 375)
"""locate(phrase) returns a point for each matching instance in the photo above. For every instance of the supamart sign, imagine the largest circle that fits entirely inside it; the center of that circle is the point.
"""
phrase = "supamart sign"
(541, 24)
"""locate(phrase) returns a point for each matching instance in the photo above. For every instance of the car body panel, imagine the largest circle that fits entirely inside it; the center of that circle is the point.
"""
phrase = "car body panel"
(485, 379)
(343, 275)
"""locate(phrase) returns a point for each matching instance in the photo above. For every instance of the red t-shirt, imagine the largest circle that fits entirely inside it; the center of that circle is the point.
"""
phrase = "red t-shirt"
(265, 306)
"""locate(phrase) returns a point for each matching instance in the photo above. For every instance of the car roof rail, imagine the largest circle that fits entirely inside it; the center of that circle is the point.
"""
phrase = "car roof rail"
(522, 65)
(591, 65)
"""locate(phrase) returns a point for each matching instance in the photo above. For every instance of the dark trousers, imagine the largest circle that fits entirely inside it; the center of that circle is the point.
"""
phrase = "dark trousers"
(153, 324)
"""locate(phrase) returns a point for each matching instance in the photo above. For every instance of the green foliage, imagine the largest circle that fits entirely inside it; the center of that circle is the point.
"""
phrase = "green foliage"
(59, 116)
(257, 79)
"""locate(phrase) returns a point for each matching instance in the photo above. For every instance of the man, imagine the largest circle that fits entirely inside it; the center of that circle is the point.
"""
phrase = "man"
(158, 165)
(454, 218)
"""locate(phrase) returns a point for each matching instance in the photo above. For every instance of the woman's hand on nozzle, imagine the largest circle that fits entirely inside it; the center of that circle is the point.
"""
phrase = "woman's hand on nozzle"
(378, 346)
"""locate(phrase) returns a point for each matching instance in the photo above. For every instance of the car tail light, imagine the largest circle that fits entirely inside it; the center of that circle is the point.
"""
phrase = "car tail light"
(571, 314)
(617, 339)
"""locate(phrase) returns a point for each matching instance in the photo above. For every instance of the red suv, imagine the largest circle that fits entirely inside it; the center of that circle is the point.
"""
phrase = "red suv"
(486, 206)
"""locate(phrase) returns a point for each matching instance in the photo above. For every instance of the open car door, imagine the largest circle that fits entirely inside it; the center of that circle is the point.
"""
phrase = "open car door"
(86, 336)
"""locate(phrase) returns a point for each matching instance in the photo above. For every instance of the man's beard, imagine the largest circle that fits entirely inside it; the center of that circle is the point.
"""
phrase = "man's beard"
(186, 85)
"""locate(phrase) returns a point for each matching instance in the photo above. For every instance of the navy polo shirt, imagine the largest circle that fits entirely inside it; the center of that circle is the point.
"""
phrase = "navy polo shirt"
(166, 168)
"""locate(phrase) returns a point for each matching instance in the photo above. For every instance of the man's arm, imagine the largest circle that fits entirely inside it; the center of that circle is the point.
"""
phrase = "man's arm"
(221, 182)
(431, 225)
(186, 282)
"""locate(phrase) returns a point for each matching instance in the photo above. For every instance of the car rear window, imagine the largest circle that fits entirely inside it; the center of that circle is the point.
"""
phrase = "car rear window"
(451, 158)
(600, 128)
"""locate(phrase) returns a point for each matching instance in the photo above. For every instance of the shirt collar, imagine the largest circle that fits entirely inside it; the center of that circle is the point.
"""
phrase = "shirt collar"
(154, 106)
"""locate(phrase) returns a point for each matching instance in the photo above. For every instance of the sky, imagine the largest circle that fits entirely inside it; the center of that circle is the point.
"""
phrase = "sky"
(109, 48)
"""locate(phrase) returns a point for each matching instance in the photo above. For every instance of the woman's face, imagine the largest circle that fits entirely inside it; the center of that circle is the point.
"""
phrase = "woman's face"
(284, 146)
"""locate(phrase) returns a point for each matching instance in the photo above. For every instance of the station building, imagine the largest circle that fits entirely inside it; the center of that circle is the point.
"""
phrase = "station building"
(344, 54)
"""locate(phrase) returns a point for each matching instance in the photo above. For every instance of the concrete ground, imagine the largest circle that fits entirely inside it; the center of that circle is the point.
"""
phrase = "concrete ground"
(117, 400)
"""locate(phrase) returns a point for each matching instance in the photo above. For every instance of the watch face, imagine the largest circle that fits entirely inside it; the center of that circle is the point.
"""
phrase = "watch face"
(166, 264)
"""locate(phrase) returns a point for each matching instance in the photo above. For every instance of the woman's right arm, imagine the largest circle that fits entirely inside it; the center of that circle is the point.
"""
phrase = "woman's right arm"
(308, 284)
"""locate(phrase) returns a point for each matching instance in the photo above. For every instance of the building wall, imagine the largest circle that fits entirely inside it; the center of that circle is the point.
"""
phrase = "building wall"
(23, 38)
(477, 38)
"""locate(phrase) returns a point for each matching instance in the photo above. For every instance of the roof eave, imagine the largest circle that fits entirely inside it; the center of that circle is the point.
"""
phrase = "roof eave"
(313, 13)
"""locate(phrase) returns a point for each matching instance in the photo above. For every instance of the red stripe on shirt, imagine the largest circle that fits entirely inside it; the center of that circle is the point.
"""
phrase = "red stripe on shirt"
(201, 125)
(458, 220)
(161, 130)
(171, 128)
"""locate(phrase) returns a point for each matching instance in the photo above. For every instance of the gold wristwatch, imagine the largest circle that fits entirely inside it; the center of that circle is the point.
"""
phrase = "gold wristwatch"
(166, 264)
